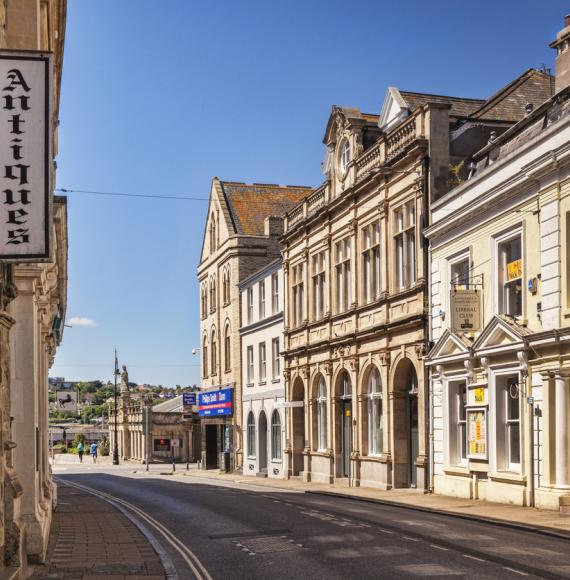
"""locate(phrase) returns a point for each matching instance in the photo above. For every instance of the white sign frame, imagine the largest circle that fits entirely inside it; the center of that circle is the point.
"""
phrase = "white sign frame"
(66, 401)
(470, 411)
(26, 148)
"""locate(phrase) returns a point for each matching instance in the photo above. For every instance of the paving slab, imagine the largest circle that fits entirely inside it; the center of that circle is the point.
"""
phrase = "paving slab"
(91, 539)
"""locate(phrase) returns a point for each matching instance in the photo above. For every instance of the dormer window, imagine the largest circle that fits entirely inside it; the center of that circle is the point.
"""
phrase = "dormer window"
(344, 156)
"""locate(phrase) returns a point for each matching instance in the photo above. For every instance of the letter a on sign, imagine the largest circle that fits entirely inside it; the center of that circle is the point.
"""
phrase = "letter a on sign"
(26, 156)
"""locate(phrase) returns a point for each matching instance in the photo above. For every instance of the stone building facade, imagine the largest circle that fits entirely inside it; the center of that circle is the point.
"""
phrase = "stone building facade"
(263, 394)
(148, 432)
(501, 389)
(32, 309)
(356, 275)
(241, 236)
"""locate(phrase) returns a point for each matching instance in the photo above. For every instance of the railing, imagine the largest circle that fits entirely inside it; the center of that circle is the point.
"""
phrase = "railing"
(396, 142)
(295, 215)
(316, 200)
(370, 159)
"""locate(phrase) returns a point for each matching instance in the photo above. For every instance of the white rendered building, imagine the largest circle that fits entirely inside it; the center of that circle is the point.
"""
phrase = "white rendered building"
(263, 394)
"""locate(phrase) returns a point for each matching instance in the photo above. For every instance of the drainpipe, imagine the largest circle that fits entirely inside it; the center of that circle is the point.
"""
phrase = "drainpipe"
(427, 372)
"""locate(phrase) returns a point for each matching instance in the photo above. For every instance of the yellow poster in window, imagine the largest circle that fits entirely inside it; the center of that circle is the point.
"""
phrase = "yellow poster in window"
(477, 434)
(514, 270)
(479, 396)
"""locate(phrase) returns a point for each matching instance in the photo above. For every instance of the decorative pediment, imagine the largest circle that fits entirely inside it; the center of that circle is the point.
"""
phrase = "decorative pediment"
(449, 345)
(501, 332)
(394, 109)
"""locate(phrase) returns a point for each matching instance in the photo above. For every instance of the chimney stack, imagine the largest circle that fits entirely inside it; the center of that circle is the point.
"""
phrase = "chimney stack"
(562, 46)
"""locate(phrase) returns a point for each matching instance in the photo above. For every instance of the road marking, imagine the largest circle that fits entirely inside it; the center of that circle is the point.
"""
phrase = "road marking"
(411, 539)
(439, 547)
(515, 571)
(473, 558)
(189, 557)
(386, 531)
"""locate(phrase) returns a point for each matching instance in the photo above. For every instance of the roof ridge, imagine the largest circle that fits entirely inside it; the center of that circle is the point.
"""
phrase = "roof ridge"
(254, 184)
(442, 96)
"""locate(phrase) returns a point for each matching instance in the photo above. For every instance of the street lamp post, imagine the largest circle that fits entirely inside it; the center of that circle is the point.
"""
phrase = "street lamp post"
(116, 446)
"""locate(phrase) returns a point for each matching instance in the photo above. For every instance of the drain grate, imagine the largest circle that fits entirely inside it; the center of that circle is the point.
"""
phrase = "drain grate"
(269, 544)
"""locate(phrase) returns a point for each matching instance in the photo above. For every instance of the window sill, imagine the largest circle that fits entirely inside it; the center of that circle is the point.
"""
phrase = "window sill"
(508, 477)
(460, 470)
(261, 383)
(379, 458)
(276, 380)
(249, 384)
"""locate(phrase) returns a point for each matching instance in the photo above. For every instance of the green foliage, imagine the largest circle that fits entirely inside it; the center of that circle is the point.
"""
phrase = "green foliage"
(104, 446)
(79, 438)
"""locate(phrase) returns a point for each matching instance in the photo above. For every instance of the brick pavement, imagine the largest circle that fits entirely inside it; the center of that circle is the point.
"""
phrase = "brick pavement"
(91, 539)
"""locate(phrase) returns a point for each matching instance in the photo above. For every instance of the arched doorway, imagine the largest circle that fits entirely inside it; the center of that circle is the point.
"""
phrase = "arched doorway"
(262, 457)
(406, 425)
(298, 424)
(344, 423)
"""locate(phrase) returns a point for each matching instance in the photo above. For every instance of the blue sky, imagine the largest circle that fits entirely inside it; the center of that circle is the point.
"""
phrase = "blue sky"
(157, 98)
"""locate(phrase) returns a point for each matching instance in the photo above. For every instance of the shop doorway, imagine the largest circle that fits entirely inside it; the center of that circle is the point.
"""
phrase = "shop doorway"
(212, 446)
(298, 436)
(262, 442)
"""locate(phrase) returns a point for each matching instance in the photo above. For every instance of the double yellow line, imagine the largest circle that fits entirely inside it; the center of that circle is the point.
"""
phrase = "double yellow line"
(198, 569)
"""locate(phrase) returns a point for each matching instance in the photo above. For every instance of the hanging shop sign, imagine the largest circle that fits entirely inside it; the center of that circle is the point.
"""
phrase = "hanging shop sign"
(25, 156)
(215, 403)
(477, 433)
(465, 310)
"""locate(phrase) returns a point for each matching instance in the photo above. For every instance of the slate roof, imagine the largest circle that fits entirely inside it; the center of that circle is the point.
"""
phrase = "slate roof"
(171, 406)
(460, 107)
(250, 204)
(508, 104)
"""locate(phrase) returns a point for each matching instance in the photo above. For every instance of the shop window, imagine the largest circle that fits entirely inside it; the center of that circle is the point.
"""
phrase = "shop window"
(510, 276)
(276, 436)
(319, 285)
(251, 435)
(508, 423)
(457, 401)
(375, 414)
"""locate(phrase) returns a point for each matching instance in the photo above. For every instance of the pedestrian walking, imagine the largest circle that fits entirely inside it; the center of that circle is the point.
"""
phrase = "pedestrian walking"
(80, 451)
(94, 451)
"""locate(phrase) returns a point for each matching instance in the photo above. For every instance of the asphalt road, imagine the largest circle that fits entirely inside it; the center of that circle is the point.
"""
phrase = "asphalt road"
(246, 531)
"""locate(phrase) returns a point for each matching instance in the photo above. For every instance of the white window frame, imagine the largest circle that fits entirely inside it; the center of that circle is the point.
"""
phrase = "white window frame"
(405, 245)
(262, 362)
(452, 262)
(502, 425)
(343, 290)
(275, 293)
(251, 451)
(249, 294)
(261, 300)
(497, 265)
(298, 304)
(375, 409)
(371, 272)
(276, 360)
(250, 365)
(276, 437)
(321, 402)
(345, 156)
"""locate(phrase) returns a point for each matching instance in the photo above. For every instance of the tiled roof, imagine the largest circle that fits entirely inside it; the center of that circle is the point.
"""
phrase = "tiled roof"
(250, 204)
(509, 103)
(460, 107)
(171, 406)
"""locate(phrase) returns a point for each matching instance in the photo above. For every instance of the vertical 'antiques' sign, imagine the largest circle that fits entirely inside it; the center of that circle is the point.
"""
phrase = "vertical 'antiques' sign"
(25, 156)
(465, 310)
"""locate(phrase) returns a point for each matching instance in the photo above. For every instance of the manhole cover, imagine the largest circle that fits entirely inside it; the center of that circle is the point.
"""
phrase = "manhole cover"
(269, 544)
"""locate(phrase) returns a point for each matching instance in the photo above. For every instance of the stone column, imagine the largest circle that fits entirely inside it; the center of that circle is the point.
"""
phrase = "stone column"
(562, 411)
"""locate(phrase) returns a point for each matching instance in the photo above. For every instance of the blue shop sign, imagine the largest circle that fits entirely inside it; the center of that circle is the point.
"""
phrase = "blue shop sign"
(215, 403)
(188, 399)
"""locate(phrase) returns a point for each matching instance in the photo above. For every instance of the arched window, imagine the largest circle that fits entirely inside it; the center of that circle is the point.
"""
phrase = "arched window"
(212, 233)
(250, 435)
(205, 357)
(204, 301)
(226, 286)
(275, 435)
(227, 349)
(322, 415)
(375, 414)
(214, 354)
(344, 156)
(213, 294)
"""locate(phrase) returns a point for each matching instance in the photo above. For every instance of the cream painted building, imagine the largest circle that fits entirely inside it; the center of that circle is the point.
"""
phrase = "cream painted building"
(500, 300)
(241, 235)
(33, 302)
(263, 392)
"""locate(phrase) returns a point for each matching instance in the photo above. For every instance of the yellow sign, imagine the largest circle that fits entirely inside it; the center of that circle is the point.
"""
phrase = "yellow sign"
(477, 433)
(479, 395)
(514, 270)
